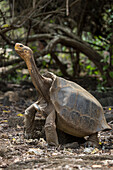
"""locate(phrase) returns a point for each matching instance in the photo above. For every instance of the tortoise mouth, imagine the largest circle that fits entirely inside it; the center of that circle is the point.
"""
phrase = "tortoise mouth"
(18, 47)
(20, 52)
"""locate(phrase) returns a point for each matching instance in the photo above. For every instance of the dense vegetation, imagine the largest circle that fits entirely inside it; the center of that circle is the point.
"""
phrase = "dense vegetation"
(72, 38)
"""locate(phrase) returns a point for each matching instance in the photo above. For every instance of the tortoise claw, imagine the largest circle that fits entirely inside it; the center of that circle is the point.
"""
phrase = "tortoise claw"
(28, 135)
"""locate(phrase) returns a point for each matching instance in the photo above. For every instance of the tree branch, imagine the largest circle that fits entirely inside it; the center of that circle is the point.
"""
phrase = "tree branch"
(11, 62)
(8, 41)
(82, 47)
(35, 37)
(60, 65)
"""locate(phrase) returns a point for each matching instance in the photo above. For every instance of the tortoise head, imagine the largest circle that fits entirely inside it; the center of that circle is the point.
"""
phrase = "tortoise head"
(23, 51)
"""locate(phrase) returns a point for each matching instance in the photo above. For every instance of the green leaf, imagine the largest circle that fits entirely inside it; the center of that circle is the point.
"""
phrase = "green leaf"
(100, 36)
(105, 67)
(111, 74)
(112, 62)
(5, 26)
(51, 21)
(96, 73)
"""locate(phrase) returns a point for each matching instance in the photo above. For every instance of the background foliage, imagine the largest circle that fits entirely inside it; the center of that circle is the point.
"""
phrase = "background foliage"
(72, 38)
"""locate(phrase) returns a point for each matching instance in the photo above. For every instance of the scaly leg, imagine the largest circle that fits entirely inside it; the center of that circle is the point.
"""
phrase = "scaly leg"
(29, 121)
(50, 129)
(93, 140)
(30, 117)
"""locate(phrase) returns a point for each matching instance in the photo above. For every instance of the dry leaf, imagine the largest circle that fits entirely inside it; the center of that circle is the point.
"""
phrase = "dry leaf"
(109, 108)
(6, 111)
(95, 151)
(3, 121)
(20, 114)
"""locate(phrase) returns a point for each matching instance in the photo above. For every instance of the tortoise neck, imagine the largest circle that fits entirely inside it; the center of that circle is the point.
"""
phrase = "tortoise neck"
(42, 84)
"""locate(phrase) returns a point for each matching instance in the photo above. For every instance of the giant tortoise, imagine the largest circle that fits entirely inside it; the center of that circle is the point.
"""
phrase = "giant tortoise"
(65, 104)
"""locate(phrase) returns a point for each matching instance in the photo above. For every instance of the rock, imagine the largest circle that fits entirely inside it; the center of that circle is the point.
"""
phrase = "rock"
(6, 101)
(28, 93)
(73, 145)
(97, 166)
(3, 150)
(11, 96)
(35, 151)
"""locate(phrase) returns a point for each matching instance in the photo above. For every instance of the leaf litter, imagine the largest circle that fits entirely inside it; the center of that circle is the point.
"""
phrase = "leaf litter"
(16, 152)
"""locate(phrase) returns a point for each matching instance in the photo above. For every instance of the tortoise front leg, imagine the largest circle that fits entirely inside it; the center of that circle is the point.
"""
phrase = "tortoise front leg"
(29, 121)
(30, 117)
(50, 129)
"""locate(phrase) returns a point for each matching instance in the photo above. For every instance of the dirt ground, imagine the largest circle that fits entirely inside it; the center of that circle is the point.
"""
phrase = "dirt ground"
(16, 152)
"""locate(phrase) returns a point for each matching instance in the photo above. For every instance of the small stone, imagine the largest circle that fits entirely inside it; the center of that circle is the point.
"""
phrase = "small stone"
(71, 145)
(88, 150)
(108, 162)
(67, 167)
(54, 154)
(96, 166)
(35, 151)
(111, 136)
(6, 101)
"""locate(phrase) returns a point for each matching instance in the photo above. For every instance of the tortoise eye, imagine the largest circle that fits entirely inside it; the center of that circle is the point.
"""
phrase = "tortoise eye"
(21, 45)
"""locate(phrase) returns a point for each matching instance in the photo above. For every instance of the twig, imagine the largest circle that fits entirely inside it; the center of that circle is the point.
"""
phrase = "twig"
(9, 41)
(67, 7)
(28, 33)
(34, 3)
(13, 10)
(73, 3)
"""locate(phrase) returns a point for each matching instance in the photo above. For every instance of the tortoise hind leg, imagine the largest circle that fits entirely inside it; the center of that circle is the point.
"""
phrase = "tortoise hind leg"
(50, 129)
(93, 140)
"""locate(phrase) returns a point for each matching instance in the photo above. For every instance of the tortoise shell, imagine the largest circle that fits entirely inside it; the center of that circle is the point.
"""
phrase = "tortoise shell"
(78, 112)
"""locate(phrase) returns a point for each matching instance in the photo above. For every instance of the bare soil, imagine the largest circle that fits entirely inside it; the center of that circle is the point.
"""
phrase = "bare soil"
(16, 152)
